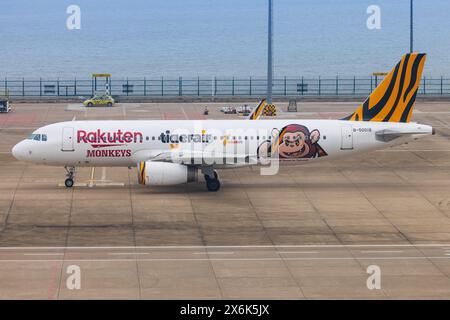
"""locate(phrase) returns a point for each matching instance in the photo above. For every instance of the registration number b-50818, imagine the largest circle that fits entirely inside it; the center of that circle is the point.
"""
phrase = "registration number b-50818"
(362, 130)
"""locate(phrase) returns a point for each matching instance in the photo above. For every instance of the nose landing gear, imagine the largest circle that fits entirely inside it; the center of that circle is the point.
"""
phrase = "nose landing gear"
(70, 174)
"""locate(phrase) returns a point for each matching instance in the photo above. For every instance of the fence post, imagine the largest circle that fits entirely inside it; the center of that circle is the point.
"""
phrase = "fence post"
(354, 85)
(23, 86)
(75, 86)
(250, 86)
(215, 86)
(232, 87)
(40, 87)
(285, 89)
(180, 84)
(424, 85)
(371, 84)
(442, 85)
(145, 86)
(303, 86)
(337, 85)
(162, 86)
(198, 86)
(128, 88)
(6, 86)
(319, 86)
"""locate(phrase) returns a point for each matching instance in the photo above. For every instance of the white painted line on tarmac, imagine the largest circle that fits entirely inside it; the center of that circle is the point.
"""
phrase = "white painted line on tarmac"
(127, 253)
(91, 181)
(213, 252)
(300, 252)
(225, 259)
(184, 113)
(415, 150)
(377, 251)
(18, 128)
(409, 245)
(43, 254)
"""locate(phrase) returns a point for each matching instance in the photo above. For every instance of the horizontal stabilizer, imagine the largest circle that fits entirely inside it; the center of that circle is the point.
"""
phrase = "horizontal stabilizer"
(391, 134)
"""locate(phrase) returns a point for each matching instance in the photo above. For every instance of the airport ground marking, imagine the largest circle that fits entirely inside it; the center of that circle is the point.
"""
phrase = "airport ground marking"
(405, 245)
(206, 253)
(299, 252)
(378, 251)
(128, 253)
(43, 254)
(227, 259)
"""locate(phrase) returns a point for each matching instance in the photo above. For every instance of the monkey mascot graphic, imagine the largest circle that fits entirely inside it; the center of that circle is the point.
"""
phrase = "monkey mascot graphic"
(295, 142)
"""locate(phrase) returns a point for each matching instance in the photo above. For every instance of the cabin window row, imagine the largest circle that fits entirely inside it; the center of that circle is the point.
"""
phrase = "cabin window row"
(216, 137)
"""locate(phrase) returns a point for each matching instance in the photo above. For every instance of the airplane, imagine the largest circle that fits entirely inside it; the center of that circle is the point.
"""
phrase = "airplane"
(171, 152)
(257, 111)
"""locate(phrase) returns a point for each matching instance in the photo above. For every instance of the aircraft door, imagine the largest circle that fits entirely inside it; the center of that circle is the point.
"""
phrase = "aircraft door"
(346, 138)
(67, 139)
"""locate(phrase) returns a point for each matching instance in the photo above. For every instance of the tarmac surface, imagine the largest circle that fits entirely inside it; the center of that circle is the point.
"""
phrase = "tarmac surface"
(309, 232)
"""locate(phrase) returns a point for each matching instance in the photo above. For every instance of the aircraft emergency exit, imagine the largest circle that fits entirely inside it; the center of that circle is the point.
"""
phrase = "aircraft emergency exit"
(168, 152)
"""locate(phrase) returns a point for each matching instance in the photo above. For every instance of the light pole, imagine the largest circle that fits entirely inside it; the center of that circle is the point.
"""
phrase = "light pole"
(411, 31)
(269, 54)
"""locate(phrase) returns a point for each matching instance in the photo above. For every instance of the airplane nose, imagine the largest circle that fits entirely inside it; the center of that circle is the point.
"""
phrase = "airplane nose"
(18, 151)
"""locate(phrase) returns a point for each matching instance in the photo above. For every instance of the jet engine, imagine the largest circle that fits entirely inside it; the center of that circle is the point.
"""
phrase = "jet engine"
(165, 173)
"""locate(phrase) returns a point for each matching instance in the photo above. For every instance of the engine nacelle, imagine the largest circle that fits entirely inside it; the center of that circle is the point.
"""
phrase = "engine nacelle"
(165, 173)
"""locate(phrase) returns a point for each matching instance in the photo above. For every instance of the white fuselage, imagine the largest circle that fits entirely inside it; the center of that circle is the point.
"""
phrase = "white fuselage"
(128, 142)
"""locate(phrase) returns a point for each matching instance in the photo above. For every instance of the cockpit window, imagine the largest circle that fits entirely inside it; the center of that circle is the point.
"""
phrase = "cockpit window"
(37, 137)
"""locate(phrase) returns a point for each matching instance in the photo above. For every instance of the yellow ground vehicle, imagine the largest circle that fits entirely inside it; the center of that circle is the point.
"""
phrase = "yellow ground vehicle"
(103, 100)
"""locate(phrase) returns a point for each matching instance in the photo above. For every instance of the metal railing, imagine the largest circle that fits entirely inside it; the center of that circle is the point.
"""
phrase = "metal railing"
(252, 87)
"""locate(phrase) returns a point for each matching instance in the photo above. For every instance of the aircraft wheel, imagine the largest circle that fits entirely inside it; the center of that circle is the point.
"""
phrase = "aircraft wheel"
(69, 182)
(213, 185)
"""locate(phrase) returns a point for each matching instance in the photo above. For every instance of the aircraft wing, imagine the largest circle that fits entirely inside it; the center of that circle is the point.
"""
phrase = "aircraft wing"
(205, 158)
(195, 157)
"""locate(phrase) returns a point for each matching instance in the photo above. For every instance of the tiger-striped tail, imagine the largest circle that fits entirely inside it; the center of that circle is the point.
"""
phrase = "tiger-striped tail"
(393, 99)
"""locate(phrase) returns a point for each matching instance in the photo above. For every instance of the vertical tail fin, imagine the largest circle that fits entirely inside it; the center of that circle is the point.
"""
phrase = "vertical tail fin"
(256, 112)
(393, 99)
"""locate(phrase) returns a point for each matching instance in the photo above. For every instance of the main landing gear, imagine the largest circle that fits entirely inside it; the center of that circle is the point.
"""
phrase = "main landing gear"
(212, 180)
(70, 174)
